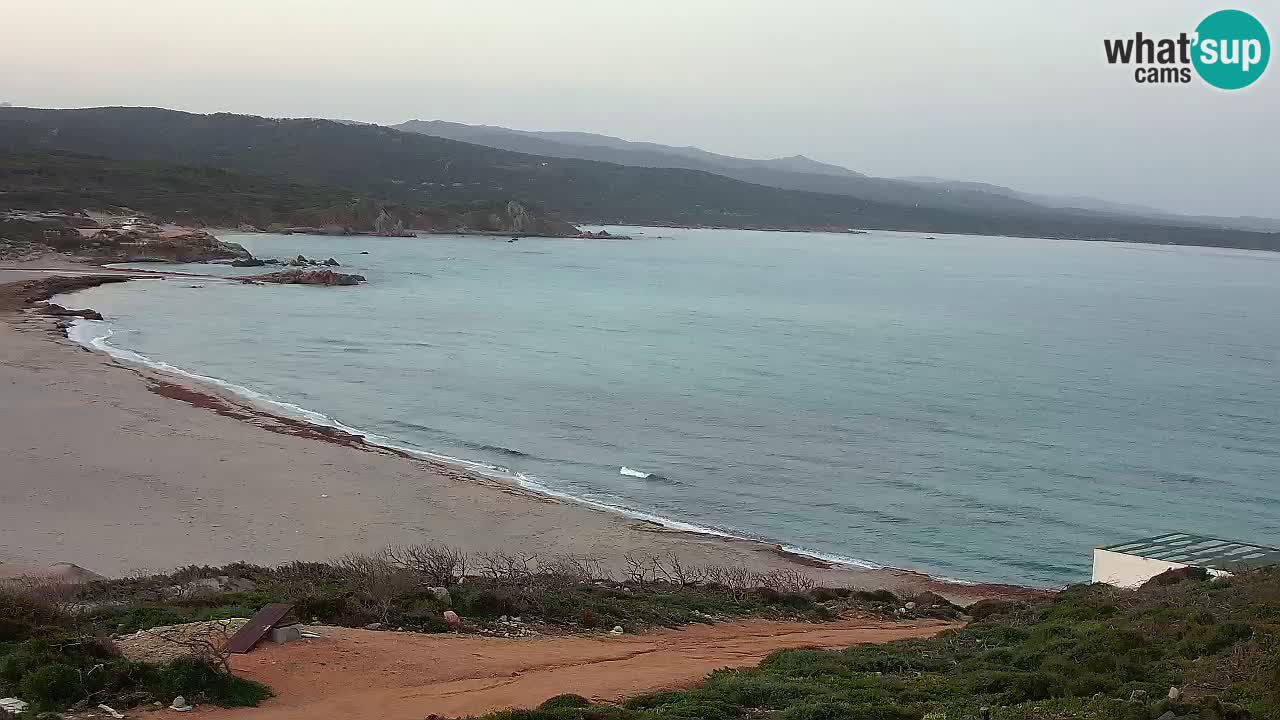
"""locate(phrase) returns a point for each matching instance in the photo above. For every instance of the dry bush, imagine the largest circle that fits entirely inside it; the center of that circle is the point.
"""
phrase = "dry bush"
(570, 569)
(42, 591)
(734, 577)
(786, 580)
(497, 565)
(437, 565)
(376, 581)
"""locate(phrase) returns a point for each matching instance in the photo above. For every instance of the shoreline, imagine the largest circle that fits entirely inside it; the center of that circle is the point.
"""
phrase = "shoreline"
(205, 396)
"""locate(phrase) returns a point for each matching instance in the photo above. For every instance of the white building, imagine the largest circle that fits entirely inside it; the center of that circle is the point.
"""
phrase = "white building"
(1133, 563)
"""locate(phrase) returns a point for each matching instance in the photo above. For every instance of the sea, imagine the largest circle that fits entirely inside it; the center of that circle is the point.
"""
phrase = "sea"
(977, 408)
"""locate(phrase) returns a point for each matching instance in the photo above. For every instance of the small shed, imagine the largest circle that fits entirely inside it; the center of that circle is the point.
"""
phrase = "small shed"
(1133, 563)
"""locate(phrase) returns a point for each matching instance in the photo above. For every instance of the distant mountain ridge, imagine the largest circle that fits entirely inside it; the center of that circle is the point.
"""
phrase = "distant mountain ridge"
(802, 173)
(415, 170)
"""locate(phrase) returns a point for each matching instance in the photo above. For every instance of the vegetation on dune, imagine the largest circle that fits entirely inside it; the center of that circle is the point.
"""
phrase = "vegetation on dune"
(55, 648)
(401, 587)
(1091, 652)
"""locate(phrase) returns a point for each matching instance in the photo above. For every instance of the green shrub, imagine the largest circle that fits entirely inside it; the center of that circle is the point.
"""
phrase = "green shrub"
(876, 596)
(568, 700)
(52, 687)
(200, 679)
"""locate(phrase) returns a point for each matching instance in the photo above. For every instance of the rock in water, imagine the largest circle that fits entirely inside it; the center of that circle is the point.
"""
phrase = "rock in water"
(331, 262)
(308, 277)
(248, 262)
(58, 311)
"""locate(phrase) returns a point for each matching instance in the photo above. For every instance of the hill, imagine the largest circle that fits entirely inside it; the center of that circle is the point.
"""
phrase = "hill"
(200, 195)
(418, 171)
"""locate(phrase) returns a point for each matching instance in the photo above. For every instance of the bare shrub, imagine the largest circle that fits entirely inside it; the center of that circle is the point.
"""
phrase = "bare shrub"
(376, 582)
(734, 577)
(672, 569)
(641, 569)
(786, 580)
(571, 569)
(437, 565)
(499, 565)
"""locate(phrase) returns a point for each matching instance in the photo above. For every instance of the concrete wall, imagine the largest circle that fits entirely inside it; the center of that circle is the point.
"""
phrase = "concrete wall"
(1131, 571)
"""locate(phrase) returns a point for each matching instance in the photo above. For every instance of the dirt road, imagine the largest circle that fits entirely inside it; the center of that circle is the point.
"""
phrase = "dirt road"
(365, 675)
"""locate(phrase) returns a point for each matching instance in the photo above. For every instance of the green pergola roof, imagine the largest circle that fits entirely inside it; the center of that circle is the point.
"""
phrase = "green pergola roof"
(1201, 551)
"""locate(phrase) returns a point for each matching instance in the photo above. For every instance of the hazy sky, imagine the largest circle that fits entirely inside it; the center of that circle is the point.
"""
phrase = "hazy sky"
(1016, 93)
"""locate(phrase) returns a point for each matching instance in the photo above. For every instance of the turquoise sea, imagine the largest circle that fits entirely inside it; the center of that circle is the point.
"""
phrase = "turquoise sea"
(980, 408)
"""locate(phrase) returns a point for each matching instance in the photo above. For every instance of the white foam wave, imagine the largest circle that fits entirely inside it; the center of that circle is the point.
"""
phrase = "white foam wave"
(94, 334)
(624, 470)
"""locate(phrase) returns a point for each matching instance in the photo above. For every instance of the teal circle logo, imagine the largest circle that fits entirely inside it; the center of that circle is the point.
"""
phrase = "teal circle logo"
(1232, 49)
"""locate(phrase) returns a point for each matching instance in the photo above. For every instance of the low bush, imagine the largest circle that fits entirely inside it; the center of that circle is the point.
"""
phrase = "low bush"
(55, 661)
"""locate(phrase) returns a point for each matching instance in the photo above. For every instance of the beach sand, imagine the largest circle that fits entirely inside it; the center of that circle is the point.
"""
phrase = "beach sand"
(120, 470)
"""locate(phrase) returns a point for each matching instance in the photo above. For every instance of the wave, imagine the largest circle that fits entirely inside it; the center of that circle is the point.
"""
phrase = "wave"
(628, 472)
(94, 334)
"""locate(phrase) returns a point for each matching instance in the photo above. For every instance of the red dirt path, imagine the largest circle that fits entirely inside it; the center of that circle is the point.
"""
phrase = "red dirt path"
(367, 675)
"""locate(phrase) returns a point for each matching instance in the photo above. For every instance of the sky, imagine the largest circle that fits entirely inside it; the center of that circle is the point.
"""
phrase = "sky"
(1014, 93)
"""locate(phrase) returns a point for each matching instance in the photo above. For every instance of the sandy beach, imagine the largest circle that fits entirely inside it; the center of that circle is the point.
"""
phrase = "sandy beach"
(120, 470)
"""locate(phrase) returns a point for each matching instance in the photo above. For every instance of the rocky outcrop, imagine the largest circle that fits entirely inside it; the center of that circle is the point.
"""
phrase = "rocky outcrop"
(519, 219)
(308, 277)
(25, 293)
(57, 310)
(130, 239)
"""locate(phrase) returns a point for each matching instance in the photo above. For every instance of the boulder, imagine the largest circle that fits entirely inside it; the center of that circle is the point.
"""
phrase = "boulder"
(441, 594)
(452, 619)
(330, 262)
